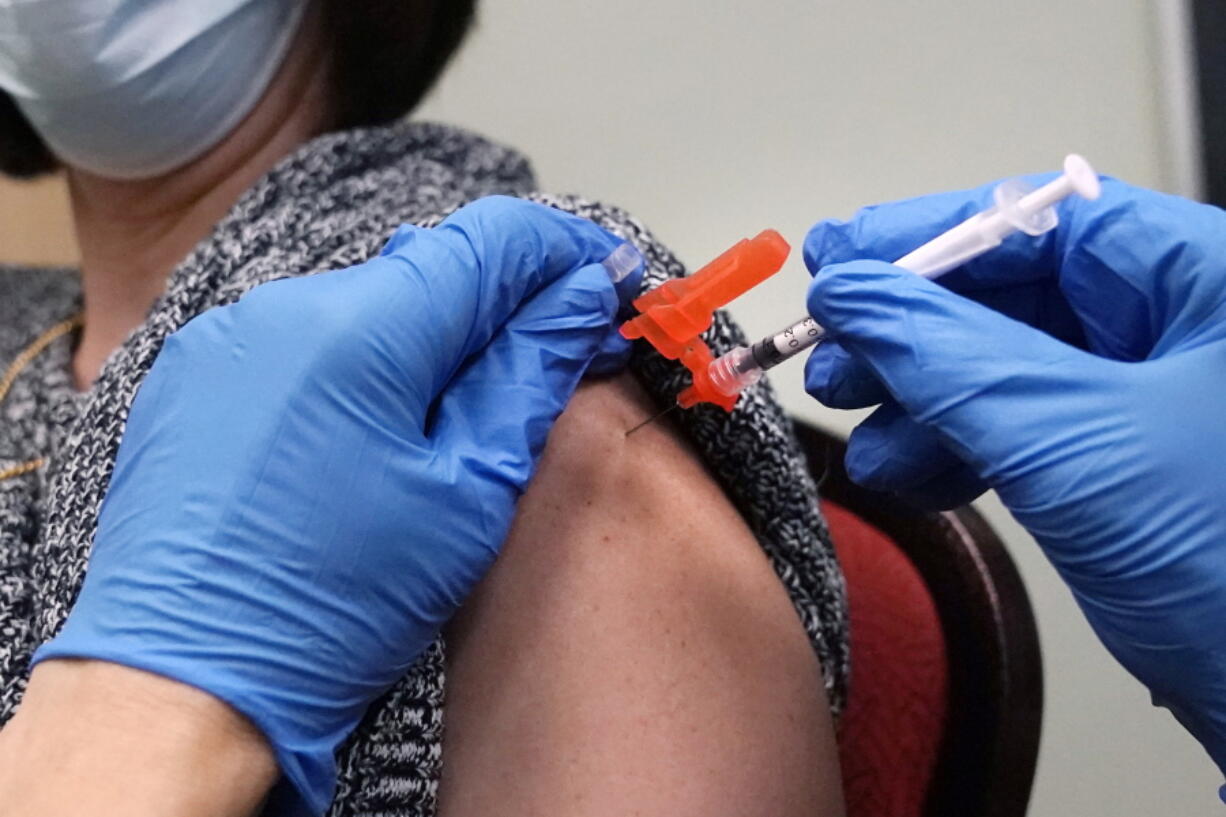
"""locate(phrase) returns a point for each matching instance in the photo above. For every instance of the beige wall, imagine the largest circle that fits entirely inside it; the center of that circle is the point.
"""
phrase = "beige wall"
(711, 119)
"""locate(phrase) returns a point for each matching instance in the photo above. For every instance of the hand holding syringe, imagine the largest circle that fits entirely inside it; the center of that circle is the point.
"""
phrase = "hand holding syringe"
(1016, 208)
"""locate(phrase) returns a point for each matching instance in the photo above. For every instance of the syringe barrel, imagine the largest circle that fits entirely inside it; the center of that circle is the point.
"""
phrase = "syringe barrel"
(1018, 207)
(973, 237)
(774, 349)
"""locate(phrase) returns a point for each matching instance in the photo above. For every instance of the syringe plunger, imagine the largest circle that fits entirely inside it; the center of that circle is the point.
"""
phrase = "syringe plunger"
(1016, 208)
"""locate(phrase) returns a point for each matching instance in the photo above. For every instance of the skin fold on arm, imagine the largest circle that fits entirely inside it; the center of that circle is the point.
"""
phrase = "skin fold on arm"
(632, 651)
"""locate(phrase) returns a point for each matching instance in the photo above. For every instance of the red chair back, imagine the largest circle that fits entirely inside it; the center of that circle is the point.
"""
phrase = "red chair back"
(890, 733)
(946, 699)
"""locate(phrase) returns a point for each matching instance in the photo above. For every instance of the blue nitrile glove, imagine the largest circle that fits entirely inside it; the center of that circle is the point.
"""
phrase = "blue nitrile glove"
(1082, 375)
(312, 479)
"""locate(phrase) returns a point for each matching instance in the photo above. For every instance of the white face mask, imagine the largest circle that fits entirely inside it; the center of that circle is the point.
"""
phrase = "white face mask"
(134, 88)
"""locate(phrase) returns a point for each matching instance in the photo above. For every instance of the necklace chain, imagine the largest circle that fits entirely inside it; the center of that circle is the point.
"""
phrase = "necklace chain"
(16, 368)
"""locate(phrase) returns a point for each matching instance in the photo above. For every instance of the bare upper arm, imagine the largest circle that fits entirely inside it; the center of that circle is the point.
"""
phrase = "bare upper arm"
(633, 651)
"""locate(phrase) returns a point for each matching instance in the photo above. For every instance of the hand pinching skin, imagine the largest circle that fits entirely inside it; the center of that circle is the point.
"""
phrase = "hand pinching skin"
(313, 478)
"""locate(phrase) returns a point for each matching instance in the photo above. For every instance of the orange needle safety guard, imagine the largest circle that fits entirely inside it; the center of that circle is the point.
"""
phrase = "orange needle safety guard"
(674, 314)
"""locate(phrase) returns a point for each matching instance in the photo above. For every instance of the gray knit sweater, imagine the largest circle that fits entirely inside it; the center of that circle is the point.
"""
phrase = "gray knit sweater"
(332, 204)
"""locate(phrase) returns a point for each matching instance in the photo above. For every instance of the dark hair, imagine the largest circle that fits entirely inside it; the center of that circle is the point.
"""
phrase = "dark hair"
(386, 54)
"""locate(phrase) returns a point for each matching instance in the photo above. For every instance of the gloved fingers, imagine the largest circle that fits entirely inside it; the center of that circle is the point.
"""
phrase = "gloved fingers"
(469, 274)
(889, 451)
(500, 407)
(987, 383)
(612, 355)
(1040, 304)
(837, 379)
(950, 489)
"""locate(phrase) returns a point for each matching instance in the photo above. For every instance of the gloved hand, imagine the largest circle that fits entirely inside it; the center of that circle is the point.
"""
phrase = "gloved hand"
(1082, 375)
(312, 479)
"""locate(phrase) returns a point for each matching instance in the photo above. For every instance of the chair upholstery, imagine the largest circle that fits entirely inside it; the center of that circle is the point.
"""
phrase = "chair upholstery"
(946, 693)
(890, 733)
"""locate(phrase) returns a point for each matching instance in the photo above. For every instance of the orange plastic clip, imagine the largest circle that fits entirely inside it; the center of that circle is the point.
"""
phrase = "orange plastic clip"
(675, 313)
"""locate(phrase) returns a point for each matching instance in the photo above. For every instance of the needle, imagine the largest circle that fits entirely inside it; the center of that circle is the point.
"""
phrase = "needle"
(651, 419)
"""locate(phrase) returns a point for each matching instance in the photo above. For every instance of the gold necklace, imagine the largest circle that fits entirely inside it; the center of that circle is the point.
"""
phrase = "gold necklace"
(16, 367)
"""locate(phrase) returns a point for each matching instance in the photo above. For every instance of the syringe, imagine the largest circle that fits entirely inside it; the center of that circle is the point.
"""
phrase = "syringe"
(1017, 207)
